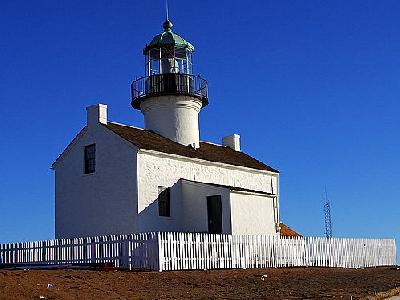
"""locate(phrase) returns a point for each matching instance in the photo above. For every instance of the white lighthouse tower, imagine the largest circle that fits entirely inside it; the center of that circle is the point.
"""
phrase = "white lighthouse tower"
(169, 95)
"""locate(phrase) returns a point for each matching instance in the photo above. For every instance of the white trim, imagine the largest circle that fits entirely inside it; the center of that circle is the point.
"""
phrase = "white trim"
(210, 185)
(211, 143)
(116, 123)
(252, 193)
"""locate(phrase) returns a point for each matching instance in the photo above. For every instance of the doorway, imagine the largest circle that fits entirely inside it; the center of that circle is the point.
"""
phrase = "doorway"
(214, 214)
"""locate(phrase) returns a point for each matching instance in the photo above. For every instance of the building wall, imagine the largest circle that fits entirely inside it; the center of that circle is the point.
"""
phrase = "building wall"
(104, 202)
(252, 213)
(194, 206)
(158, 169)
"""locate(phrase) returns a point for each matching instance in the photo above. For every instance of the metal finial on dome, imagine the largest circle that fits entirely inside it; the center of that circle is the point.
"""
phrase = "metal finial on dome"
(167, 25)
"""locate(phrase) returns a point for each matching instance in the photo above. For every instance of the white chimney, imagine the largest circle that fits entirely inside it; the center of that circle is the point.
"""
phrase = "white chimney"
(96, 114)
(232, 141)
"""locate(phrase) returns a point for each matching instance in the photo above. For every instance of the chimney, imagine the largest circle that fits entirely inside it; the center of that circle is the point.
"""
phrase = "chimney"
(232, 141)
(96, 114)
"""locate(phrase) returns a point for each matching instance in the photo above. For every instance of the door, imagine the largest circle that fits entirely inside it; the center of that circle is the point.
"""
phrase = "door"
(214, 214)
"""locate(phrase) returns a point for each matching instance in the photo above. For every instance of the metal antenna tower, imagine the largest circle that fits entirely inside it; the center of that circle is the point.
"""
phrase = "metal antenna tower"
(328, 217)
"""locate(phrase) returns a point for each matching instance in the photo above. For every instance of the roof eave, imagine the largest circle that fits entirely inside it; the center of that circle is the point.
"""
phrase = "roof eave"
(265, 169)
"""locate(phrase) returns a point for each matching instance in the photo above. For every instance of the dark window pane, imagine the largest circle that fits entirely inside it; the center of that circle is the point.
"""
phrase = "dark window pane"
(164, 203)
(90, 159)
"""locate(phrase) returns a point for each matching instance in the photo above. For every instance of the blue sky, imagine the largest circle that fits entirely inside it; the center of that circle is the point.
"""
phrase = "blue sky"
(311, 86)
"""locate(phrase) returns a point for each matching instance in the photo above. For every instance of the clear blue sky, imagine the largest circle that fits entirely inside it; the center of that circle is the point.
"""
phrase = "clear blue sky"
(312, 87)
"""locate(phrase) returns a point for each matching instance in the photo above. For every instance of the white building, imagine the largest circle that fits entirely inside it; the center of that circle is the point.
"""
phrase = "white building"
(119, 179)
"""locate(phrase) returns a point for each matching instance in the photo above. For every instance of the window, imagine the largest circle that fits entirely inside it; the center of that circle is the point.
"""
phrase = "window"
(164, 202)
(90, 159)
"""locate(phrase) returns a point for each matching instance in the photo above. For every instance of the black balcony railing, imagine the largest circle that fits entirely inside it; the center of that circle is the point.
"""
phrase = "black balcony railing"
(169, 83)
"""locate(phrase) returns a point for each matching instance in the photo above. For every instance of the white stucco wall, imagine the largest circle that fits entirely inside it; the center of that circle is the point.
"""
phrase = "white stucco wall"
(175, 117)
(194, 206)
(104, 202)
(159, 169)
(252, 213)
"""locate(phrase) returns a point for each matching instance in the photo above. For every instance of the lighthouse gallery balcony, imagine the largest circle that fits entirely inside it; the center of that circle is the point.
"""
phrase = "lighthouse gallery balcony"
(169, 84)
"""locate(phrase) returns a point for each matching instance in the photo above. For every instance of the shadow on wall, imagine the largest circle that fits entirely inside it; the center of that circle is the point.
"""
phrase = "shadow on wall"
(188, 209)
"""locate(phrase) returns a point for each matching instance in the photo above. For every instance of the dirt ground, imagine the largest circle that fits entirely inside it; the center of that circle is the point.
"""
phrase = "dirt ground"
(287, 283)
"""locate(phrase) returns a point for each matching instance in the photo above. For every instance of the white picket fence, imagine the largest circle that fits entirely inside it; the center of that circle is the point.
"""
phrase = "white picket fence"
(165, 251)
(181, 251)
(123, 251)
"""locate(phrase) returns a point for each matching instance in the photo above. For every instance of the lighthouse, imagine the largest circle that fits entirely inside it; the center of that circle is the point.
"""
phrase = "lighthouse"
(170, 96)
(116, 178)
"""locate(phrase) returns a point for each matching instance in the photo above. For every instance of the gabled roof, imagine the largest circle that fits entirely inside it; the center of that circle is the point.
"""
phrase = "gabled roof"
(149, 140)
(287, 231)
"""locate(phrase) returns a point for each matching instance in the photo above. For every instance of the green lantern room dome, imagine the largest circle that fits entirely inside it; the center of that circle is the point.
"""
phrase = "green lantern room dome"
(168, 39)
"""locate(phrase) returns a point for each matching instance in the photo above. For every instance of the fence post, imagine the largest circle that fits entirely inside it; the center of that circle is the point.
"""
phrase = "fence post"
(160, 246)
(92, 250)
(124, 253)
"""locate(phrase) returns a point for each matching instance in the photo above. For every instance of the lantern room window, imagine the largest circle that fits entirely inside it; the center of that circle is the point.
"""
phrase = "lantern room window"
(168, 59)
(168, 53)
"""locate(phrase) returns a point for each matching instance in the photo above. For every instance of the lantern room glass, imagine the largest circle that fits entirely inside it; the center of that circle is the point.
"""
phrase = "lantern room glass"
(167, 60)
